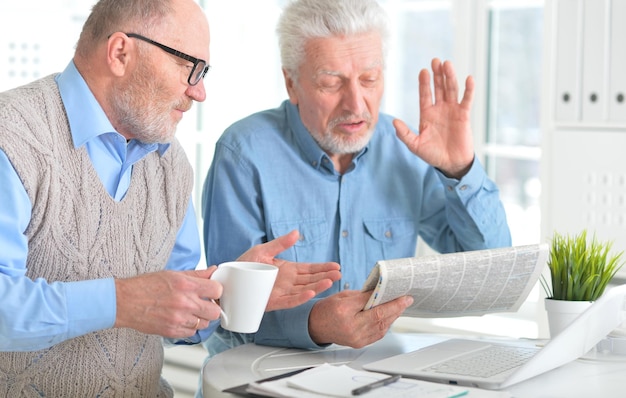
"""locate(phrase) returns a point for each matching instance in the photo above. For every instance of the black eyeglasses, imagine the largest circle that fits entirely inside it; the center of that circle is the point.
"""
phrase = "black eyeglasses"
(200, 67)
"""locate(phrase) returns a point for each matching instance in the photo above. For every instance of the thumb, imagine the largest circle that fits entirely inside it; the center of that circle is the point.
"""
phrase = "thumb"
(404, 133)
(282, 243)
(202, 273)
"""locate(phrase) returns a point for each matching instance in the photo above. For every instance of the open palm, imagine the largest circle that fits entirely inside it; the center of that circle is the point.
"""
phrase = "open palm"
(295, 283)
(445, 137)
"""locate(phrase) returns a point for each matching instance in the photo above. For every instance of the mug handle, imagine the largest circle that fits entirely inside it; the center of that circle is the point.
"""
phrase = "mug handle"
(222, 313)
(220, 271)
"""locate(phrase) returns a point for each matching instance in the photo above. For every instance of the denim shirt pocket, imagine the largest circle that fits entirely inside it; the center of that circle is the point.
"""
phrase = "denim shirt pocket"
(312, 242)
(389, 238)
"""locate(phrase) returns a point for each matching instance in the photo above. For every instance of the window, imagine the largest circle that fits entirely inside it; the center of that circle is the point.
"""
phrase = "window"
(513, 139)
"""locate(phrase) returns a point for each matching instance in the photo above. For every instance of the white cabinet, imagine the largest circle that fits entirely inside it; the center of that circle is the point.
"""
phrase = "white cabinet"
(584, 120)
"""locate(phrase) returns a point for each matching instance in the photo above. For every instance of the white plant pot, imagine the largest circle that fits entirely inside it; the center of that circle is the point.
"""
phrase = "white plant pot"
(562, 312)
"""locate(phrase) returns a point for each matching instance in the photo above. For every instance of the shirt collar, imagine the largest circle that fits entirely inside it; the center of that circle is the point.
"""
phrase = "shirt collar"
(86, 117)
(314, 155)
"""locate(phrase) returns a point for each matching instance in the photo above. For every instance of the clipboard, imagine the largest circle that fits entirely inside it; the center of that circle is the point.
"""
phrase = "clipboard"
(241, 390)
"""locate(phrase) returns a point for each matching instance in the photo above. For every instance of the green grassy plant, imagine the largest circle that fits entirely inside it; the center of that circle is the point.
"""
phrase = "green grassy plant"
(579, 270)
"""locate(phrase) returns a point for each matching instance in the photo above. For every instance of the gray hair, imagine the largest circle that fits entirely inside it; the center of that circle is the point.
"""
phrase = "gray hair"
(303, 20)
(110, 16)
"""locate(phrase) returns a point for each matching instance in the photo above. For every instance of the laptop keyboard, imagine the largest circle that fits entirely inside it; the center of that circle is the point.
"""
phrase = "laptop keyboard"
(485, 363)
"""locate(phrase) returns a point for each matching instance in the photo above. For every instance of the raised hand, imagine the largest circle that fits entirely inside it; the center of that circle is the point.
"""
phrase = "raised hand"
(445, 136)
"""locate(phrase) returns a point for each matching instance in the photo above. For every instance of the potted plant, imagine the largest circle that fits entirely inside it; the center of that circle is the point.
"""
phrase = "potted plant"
(580, 270)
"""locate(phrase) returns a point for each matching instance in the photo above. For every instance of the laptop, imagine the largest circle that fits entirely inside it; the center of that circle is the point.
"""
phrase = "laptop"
(470, 362)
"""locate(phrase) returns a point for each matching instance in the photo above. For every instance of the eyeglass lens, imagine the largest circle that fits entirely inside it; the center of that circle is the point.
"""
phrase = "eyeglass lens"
(199, 70)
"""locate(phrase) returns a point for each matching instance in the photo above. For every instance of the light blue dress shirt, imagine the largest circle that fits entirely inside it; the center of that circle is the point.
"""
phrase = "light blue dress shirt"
(269, 177)
(36, 314)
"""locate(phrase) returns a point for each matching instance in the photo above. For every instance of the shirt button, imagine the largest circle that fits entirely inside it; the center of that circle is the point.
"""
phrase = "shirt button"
(387, 234)
(449, 187)
(314, 163)
(346, 286)
(463, 187)
(344, 233)
(301, 238)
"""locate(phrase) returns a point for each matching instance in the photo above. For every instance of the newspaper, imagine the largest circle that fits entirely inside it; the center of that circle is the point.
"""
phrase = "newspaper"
(459, 284)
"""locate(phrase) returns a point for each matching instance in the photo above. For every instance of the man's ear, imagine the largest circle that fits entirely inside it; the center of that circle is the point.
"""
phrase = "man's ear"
(289, 85)
(120, 52)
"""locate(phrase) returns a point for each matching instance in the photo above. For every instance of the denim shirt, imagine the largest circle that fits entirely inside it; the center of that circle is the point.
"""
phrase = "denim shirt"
(269, 177)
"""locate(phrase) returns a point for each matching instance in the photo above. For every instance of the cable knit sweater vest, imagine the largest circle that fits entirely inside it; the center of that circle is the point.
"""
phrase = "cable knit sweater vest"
(78, 232)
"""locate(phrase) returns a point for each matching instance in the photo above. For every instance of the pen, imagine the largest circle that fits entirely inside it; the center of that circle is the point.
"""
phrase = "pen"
(376, 384)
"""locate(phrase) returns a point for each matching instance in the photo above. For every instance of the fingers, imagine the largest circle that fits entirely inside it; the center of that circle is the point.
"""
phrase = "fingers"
(445, 85)
(190, 328)
(450, 84)
(315, 283)
(204, 287)
(438, 80)
(322, 285)
(468, 95)
(194, 325)
(287, 295)
(311, 273)
(291, 301)
(297, 283)
(380, 318)
(312, 268)
(185, 322)
(426, 96)
(211, 314)
(340, 319)
(386, 313)
(167, 303)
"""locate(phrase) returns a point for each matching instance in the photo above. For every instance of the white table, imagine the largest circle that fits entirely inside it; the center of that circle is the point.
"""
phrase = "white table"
(583, 378)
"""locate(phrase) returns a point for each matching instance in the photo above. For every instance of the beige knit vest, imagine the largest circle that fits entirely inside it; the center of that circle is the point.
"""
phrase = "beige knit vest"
(78, 232)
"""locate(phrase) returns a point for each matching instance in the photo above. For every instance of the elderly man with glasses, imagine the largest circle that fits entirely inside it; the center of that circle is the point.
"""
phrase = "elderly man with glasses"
(98, 237)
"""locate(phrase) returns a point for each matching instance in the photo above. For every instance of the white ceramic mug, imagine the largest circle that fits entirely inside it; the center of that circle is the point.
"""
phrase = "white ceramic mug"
(247, 289)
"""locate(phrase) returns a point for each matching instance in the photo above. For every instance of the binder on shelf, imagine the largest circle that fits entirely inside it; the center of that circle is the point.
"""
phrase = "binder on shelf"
(595, 60)
(617, 70)
(568, 60)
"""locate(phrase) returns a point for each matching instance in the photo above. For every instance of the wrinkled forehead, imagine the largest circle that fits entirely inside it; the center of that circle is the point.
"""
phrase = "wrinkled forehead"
(187, 29)
(334, 54)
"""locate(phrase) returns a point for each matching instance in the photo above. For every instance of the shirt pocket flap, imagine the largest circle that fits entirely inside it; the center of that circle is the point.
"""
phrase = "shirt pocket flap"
(310, 230)
(390, 229)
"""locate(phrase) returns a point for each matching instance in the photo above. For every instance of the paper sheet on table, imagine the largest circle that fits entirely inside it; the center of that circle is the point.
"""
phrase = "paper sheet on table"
(338, 381)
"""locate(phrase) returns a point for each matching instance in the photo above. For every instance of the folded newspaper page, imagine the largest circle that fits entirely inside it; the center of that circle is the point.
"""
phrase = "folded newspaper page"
(459, 284)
